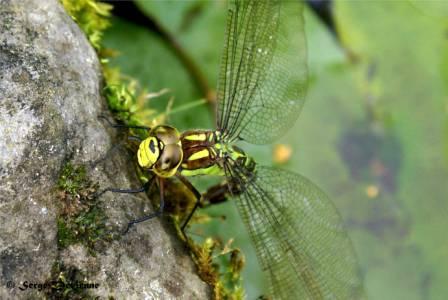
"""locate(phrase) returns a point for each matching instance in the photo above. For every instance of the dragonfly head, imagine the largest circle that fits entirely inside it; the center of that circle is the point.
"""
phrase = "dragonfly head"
(161, 151)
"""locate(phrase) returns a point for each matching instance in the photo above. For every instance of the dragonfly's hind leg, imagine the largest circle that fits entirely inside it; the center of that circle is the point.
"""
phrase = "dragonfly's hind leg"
(196, 205)
(216, 194)
(142, 189)
(157, 212)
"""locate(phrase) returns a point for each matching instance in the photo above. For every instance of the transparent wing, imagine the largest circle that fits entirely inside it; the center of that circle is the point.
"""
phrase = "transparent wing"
(263, 75)
(298, 236)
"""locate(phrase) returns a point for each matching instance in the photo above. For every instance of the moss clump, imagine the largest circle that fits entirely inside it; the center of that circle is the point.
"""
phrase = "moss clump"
(127, 101)
(87, 227)
(72, 179)
(219, 267)
(80, 219)
(66, 283)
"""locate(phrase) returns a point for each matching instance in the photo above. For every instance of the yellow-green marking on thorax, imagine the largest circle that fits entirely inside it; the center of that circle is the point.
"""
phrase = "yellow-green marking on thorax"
(196, 137)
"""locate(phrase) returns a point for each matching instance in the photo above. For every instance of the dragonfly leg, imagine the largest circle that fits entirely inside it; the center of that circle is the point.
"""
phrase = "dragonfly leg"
(142, 189)
(216, 194)
(121, 125)
(154, 214)
(112, 150)
(196, 205)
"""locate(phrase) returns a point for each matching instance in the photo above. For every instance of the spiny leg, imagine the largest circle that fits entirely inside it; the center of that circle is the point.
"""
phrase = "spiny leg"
(154, 214)
(112, 150)
(214, 195)
(122, 125)
(142, 189)
(197, 203)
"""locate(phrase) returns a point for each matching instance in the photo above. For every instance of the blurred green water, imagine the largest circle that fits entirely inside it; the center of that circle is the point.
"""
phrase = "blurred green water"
(378, 124)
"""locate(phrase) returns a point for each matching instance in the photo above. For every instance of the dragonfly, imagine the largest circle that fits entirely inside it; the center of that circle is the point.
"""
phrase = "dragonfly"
(299, 237)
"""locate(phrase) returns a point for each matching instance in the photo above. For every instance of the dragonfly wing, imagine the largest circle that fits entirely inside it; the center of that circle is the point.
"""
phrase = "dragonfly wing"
(298, 236)
(263, 76)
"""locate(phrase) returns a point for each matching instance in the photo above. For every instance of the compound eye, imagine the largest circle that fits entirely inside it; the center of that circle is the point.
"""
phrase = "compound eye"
(148, 152)
(170, 158)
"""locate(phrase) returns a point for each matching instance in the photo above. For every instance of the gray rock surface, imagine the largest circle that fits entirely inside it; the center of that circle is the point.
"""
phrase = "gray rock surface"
(50, 86)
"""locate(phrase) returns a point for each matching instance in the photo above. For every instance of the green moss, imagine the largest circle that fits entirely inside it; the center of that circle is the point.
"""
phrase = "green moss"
(87, 227)
(65, 283)
(80, 219)
(219, 267)
(65, 236)
(72, 178)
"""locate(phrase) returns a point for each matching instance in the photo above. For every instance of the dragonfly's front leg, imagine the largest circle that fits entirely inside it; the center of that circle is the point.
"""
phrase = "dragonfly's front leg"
(117, 146)
(112, 150)
(111, 124)
(196, 194)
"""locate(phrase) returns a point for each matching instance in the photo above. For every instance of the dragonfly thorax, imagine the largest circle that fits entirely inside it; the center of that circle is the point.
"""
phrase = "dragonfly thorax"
(161, 151)
(236, 157)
